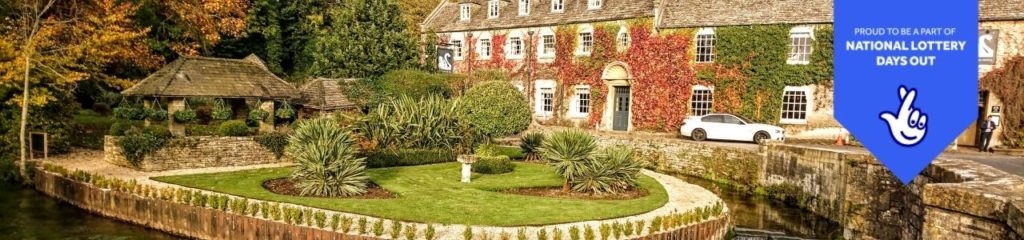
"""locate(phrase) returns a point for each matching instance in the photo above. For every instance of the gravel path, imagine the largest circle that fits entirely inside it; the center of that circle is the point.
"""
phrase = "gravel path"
(682, 196)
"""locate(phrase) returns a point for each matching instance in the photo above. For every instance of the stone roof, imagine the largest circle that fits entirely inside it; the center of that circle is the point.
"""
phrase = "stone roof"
(445, 18)
(214, 77)
(710, 13)
(994, 10)
(325, 94)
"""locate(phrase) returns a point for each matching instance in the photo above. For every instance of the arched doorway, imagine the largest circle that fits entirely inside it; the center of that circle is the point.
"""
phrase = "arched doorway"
(618, 110)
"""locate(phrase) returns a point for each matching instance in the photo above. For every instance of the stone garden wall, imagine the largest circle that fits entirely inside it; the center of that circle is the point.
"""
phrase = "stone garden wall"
(195, 152)
(851, 187)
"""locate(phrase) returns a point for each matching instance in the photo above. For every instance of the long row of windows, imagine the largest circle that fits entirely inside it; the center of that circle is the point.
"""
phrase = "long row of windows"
(795, 102)
(494, 8)
(801, 45)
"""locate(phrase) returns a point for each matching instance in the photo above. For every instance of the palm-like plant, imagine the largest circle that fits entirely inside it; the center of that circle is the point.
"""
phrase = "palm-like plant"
(569, 151)
(403, 122)
(611, 171)
(326, 164)
(531, 143)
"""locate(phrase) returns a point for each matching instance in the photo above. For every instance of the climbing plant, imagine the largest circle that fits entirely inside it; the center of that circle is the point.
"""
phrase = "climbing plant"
(1005, 82)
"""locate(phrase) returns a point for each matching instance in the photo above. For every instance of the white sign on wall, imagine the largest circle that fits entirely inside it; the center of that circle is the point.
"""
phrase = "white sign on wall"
(988, 46)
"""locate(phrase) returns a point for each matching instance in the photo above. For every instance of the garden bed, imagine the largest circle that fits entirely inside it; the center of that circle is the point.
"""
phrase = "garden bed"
(433, 193)
(285, 186)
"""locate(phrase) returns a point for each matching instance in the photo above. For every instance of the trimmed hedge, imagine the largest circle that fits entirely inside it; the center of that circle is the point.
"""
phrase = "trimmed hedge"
(493, 164)
(496, 109)
(119, 128)
(408, 157)
(235, 128)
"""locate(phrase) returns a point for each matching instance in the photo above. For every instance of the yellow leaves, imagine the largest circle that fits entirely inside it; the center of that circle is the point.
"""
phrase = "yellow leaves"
(206, 20)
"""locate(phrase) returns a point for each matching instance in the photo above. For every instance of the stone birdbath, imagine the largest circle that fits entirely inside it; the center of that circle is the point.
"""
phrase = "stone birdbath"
(467, 161)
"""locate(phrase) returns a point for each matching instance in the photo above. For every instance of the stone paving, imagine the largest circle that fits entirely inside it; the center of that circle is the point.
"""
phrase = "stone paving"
(682, 196)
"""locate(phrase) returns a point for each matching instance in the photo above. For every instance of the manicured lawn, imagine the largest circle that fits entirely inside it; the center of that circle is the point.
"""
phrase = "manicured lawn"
(433, 193)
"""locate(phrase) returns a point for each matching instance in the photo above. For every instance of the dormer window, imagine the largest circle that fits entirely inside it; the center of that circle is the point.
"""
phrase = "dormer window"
(593, 4)
(464, 11)
(524, 7)
(557, 5)
(493, 9)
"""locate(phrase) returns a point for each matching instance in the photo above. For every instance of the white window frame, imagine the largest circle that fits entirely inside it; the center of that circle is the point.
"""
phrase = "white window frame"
(594, 4)
(583, 48)
(624, 39)
(542, 50)
(705, 39)
(544, 98)
(511, 51)
(800, 38)
(557, 6)
(524, 7)
(790, 107)
(704, 100)
(458, 46)
(480, 48)
(579, 104)
(493, 9)
(465, 12)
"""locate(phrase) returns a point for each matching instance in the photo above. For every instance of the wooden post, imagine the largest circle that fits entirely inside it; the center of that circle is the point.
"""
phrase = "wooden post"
(172, 107)
(267, 125)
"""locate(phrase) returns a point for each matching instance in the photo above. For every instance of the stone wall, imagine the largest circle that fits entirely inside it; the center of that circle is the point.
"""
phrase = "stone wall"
(195, 152)
(851, 187)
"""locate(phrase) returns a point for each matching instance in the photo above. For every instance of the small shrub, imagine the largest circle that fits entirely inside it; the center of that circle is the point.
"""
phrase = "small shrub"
(655, 225)
(493, 165)
(496, 109)
(121, 127)
(362, 225)
(574, 233)
(639, 225)
(410, 232)
(542, 234)
(429, 232)
(409, 157)
(617, 230)
(346, 224)
(129, 112)
(136, 145)
(159, 131)
(276, 212)
(612, 171)
(396, 229)
(570, 152)
(588, 233)
(557, 234)
(606, 231)
(234, 128)
(415, 84)
(521, 234)
(378, 227)
(265, 207)
(505, 236)
(468, 233)
(326, 164)
(274, 142)
(335, 221)
(254, 209)
(185, 115)
(320, 218)
(307, 215)
(201, 130)
(530, 144)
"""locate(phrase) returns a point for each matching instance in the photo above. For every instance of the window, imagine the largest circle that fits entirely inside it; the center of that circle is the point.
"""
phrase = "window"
(731, 120)
(713, 119)
(705, 45)
(557, 5)
(581, 102)
(515, 47)
(701, 100)
(593, 4)
(465, 11)
(547, 100)
(524, 7)
(800, 48)
(623, 39)
(492, 9)
(795, 105)
(586, 42)
(457, 48)
(547, 46)
(485, 48)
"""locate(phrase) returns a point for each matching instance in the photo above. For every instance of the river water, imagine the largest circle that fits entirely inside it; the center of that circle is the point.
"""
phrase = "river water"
(27, 214)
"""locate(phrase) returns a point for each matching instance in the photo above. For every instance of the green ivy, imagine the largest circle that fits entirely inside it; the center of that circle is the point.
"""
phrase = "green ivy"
(275, 142)
(135, 145)
(760, 52)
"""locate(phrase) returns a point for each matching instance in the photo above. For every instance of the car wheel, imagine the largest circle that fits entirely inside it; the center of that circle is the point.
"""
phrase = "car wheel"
(699, 135)
(759, 137)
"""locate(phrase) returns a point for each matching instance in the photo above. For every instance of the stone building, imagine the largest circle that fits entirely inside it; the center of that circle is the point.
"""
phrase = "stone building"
(788, 82)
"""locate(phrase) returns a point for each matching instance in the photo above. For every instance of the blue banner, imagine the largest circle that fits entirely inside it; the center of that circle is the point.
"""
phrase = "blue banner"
(906, 77)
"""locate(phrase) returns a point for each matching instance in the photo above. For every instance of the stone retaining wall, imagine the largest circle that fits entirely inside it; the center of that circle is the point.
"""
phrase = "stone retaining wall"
(209, 223)
(852, 188)
(195, 152)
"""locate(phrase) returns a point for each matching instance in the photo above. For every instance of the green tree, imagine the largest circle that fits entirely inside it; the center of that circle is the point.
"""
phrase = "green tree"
(360, 38)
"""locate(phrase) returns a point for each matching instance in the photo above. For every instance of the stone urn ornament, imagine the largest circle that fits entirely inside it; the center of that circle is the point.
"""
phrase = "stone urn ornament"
(467, 161)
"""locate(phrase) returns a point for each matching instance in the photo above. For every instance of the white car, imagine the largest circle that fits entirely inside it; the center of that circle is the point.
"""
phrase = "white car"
(721, 126)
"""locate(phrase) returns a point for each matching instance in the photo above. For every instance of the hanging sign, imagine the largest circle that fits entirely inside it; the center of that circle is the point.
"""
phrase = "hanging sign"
(906, 77)
(988, 46)
(444, 60)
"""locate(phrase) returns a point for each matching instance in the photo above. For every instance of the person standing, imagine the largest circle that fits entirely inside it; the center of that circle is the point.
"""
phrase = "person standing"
(987, 128)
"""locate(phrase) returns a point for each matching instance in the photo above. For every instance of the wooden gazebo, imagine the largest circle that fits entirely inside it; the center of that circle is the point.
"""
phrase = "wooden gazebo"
(246, 78)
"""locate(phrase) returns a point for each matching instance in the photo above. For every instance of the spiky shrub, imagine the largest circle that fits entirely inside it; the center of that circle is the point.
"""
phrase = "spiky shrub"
(496, 108)
(429, 232)
(574, 233)
(378, 227)
(362, 225)
(588, 233)
(610, 172)
(396, 229)
(521, 234)
(326, 165)
(531, 143)
(569, 151)
(403, 122)
(542, 234)
(467, 234)
(557, 234)
(606, 231)
(410, 232)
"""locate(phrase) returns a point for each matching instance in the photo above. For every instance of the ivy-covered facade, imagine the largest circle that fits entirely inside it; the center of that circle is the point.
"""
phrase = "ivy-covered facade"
(588, 63)
(1001, 72)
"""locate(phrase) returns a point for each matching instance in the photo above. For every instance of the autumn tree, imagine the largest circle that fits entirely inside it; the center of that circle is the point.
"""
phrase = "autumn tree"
(191, 27)
(48, 46)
